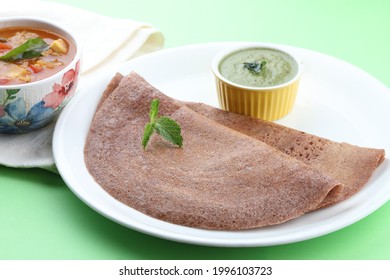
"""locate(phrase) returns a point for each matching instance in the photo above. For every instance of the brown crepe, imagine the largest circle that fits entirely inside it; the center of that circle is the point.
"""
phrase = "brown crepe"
(220, 179)
(348, 164)
(351, 165)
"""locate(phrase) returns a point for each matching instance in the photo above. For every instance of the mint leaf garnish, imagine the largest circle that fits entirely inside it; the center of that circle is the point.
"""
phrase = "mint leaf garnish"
(166, 127)
(254, 67)
(149, 129)
(154, 110)
(170, 130)
(29, 49)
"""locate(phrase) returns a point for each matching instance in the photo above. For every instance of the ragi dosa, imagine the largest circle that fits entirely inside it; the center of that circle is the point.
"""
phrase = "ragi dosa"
(349, 164)
(219, 179)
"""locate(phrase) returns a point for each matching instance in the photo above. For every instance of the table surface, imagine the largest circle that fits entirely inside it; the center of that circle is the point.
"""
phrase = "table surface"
(40, 218)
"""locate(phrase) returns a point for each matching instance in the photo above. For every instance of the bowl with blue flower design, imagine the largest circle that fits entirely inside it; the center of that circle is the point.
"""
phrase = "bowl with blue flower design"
(39, 72)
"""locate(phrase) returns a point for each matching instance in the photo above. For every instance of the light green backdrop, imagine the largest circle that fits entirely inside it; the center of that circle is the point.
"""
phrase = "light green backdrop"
(40, 218)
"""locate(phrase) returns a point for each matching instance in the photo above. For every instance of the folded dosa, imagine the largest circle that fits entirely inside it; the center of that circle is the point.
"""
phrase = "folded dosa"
(349, 164)
(219, 179)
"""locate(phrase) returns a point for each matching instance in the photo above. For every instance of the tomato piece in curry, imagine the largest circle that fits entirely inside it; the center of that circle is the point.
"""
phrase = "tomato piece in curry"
(26, 70)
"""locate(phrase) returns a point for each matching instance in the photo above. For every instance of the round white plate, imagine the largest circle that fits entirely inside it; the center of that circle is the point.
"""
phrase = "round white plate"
(336, 100)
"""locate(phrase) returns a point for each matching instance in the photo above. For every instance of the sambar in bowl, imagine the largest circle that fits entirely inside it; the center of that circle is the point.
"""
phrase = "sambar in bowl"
(39, 72)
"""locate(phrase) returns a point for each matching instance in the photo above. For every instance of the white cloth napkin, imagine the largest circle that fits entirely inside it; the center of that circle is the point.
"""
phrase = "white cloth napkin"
(106, 42)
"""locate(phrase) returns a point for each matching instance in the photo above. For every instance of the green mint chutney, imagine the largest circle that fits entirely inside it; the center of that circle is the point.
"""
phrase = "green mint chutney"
(279, 67)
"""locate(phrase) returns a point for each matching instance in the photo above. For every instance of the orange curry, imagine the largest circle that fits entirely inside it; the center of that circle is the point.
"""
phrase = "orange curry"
(55, 54)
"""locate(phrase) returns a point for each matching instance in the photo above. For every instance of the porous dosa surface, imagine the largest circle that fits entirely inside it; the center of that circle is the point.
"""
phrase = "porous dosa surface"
(351, 165)
(219, 179)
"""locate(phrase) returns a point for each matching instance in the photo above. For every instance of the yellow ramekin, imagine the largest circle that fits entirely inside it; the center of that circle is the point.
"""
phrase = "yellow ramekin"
(267, 103)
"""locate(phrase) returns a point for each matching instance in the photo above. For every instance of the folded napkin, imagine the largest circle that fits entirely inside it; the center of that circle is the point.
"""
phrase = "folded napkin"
(106, 42)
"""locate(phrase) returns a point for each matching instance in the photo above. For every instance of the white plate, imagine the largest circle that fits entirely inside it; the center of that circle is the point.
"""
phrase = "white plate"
(336, 100)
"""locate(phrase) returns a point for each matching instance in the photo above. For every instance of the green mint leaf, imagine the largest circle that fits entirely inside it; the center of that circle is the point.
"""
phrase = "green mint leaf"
(170, 130)
(149, 129)
(254, 67)
(29, 49)
(154, 109)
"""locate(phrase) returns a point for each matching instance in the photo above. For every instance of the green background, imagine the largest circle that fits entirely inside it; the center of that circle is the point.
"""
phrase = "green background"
(40, 218)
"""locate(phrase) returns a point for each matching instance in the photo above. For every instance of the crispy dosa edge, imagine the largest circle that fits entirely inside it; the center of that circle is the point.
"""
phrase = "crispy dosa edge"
(185, 202)
(349, 164)
(112, 85)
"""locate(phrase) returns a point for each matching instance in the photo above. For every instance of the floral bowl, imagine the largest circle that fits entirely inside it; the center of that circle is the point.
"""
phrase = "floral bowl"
(29, 106)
